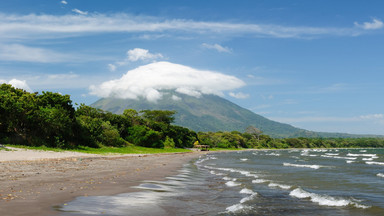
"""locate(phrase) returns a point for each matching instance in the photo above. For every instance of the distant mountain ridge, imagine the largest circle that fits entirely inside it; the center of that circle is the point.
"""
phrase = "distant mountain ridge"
(211, 113)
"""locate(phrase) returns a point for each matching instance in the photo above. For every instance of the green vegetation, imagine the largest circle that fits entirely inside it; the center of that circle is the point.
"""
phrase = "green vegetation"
(49, 121)
(237, 140)
(131, 149)
(213, 113)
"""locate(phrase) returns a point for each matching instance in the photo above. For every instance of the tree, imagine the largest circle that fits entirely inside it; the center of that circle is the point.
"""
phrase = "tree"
(254, 131)
(163, 116)
(143, 136)
(132, 116)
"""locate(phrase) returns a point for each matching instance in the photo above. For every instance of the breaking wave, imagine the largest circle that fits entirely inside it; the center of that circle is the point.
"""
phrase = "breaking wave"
(303, 165)
(232, 184)
(238, 208)
(375, 163)
(324, 200)
(282, 186)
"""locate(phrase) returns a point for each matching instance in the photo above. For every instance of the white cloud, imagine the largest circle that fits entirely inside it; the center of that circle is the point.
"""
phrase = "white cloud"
(375, 24)
(239, 95)
(52, 26)
(69, 75)
(147, 81)
(21, 84)
(18, 52)
(176, 98)
(134, 55)
(372, 116)
(64, 2)
(79, 11)
(216, 47)
(112, 67)
(142, 54)
(316, 119)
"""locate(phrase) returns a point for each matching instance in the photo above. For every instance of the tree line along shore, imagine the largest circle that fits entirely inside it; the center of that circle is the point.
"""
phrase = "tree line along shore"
(51, 120)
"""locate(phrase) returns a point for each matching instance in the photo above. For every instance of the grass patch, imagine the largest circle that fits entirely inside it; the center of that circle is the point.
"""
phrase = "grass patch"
(4, 149)
(40, 148)
(108, 150)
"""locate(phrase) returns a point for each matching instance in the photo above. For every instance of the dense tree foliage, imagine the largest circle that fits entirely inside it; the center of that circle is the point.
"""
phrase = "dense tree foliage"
(246, 140)
(51, 120)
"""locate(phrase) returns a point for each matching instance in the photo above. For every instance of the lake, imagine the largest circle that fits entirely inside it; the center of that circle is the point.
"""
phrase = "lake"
(261, 182)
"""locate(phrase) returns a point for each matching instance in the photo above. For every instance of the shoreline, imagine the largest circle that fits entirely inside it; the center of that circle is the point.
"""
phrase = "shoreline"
(35, 187)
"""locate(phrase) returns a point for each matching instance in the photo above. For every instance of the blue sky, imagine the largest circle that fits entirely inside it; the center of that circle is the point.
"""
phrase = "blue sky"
(317, 65)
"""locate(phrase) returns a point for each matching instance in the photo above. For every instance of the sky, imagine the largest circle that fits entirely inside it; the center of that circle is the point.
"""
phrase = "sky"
(317, 65)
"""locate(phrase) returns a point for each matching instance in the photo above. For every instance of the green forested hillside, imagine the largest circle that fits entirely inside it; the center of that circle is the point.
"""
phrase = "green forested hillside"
(206, 113)
(211, 113)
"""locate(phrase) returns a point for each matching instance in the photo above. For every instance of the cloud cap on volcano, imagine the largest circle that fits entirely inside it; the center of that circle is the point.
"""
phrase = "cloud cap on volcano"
(147, 81)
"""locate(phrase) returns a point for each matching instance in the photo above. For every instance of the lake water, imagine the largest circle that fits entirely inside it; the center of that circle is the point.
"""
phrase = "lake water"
(270, 182)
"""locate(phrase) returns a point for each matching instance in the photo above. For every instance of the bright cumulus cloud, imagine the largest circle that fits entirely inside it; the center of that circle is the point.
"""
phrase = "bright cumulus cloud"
(134, 55)
(21, 84)
(142, 54)
(147, 81)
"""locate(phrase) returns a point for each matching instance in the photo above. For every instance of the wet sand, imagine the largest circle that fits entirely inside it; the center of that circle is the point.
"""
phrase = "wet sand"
(35, 186)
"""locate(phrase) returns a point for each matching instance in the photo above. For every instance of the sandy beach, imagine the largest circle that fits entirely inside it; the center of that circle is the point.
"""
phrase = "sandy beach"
(34, 182)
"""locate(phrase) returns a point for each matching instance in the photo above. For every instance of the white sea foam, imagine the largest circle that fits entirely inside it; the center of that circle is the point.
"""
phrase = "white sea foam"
(349, 161)
(226, 169)
(291, 151)
(246, 173)
(380, 175)
(228, 179)
(282, 186)
(244, 159)
(324, 200)
(242, 172)
(248, 198)
(375, 163)
(258, 181)
(320, 150)
(246, 191)
(367, 159)
(303, 165)
(232, 184)
(361, 155)
(332, 154)
(237, 208)
(273, 154)
(363, 150)
(339, 157)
